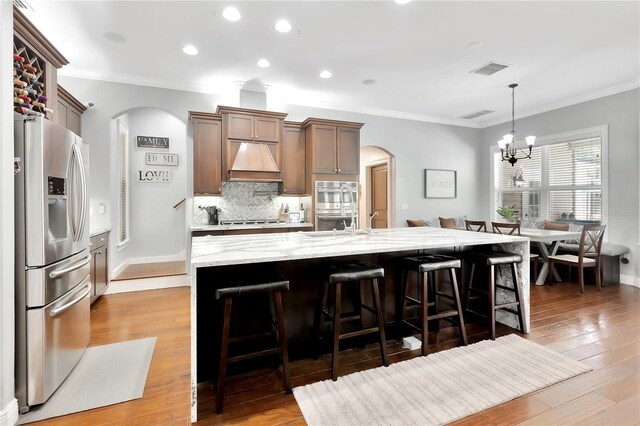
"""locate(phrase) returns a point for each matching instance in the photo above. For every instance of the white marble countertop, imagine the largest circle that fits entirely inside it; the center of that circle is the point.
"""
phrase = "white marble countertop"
(97, 231)
(242, 249)
(250, 226)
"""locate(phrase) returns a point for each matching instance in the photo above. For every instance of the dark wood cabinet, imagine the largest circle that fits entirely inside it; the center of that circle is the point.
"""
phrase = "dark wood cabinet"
(69, 111)
(257, 136)
(207, 153)
(293, 160)
(99, 270)
(333, 147)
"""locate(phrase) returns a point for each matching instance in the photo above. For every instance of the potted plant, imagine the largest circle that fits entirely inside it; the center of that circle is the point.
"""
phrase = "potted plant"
(507, 212)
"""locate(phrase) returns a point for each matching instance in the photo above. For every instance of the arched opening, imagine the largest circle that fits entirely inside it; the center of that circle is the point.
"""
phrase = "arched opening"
(149, 227)
(378, 184)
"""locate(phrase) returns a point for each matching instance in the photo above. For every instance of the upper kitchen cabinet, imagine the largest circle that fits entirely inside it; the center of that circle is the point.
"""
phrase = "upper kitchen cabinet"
(207, 153)
(251, 144)
(333, 147)
(69, 111)
(294, 160)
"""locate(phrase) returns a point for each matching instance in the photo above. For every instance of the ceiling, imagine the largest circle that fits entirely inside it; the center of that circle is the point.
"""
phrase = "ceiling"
(420, 54)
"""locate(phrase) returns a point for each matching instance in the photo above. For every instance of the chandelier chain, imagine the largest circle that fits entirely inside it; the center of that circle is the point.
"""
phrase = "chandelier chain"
(513, 112)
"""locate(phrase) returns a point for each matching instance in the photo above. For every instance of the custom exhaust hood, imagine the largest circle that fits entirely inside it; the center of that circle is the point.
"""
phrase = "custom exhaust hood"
(254, 161)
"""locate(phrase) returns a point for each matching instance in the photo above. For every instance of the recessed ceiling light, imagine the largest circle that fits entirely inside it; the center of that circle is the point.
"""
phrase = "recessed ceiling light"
(325, 74)
(231, 14)
(402, 1)
(115, 37)
(190, 50)
(283, 26)
(474, 45)
(368, 82)
(263, 63)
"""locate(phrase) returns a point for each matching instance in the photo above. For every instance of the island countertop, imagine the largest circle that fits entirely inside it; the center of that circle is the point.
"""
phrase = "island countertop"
(224, 250)
(242, 249)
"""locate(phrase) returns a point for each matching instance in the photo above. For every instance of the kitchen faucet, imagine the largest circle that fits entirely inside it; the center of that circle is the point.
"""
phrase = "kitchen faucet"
(350, 190)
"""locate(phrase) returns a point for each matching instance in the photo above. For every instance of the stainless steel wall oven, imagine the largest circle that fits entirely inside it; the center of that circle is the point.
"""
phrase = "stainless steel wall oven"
(334, 201)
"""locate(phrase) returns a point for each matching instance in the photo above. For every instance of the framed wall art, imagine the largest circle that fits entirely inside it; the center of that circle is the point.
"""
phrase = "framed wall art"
(439, 183)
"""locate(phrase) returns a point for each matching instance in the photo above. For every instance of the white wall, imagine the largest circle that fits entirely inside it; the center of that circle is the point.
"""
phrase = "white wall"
(621, 113)
(155, 227)
(8, 404)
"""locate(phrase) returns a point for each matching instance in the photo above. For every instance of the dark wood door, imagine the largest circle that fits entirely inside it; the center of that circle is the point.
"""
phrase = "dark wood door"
(324, 149)
(293, 162)
(348, 151)
(207, 156)
(379, 196)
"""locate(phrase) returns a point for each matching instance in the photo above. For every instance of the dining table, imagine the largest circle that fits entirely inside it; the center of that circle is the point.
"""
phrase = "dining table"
(548, 241)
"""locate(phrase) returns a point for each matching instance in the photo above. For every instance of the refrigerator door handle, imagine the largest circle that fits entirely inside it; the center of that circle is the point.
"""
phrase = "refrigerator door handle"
(83, 182)
(71, 194)
(60, 309)
(59, 272)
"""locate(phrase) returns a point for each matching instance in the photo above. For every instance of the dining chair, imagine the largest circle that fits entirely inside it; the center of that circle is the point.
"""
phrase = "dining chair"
(588, 254)
(447, 222)
(475, 225)
(514, 229)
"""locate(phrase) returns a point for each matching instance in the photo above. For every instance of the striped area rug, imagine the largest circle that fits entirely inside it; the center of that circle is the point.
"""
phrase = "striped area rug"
(438, 388)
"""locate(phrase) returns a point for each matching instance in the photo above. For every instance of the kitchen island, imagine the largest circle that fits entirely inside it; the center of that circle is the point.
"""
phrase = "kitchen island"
(297, 250)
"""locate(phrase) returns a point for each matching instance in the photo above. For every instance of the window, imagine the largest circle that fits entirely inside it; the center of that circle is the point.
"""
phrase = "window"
(562, 181)
(123, 184)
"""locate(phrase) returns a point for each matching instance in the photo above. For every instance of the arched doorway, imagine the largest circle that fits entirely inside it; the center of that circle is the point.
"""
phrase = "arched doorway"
(378, 182)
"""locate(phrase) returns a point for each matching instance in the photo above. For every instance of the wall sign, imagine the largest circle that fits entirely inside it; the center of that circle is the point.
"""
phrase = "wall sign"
(152, 142)
(157, 176)
(153, 159)
(439, 183)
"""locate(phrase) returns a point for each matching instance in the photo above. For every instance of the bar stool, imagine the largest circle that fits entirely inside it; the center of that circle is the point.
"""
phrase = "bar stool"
(493, 259)
(243, 287)
(428, 293)
(338, 274)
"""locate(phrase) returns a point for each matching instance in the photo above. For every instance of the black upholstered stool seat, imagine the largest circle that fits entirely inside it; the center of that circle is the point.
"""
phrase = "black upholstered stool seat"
(430, 262)
(349, 273)
(278, 283)
(491, 260)
(426, 267)
(244, 285)
(494, 258)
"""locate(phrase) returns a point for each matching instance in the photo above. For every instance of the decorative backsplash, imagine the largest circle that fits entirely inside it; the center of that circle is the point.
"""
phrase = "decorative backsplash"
(243, 201)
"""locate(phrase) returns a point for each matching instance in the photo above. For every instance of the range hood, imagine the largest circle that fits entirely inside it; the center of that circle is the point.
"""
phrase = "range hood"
(254, 161)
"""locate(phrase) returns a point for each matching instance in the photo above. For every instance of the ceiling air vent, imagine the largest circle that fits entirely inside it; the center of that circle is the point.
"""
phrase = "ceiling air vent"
(477, 114)
(490, 68)
(22, 4)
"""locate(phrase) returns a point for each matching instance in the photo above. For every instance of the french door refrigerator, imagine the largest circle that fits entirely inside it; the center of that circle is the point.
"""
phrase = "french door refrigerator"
(52, 257)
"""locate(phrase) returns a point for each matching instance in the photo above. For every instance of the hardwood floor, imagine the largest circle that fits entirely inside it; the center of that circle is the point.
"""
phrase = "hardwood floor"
(151, 270)
(600, 329)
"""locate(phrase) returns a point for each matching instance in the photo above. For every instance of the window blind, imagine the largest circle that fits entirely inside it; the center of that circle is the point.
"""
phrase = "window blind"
(123, 184)
(575, 163)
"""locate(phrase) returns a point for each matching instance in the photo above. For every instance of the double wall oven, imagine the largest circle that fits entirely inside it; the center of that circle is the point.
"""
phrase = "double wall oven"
(334, 201)
(51, 256)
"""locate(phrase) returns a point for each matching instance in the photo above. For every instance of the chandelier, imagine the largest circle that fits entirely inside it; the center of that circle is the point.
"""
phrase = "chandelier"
(507, 144)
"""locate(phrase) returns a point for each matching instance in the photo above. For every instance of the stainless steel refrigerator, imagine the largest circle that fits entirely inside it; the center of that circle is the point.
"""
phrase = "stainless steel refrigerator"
(52, 257)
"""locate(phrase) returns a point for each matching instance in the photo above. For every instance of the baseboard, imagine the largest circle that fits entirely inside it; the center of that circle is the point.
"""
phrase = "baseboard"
(630, 280)
(126, 286)
(9, 414)
(158, 259)
(120, 268)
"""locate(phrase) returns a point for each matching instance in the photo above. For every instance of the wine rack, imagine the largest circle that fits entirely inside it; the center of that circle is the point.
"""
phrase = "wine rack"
(29, 90)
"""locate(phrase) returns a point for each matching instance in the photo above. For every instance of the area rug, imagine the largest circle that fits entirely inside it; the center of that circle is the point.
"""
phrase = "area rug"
(105, 375)
(438, 388)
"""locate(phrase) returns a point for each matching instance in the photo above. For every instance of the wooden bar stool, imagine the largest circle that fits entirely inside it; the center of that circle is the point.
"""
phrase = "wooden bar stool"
(274, 285)
(339, 274)
(426, 267)
(493, 259)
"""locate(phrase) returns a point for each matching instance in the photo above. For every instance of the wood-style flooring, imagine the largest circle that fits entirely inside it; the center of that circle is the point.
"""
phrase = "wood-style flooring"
(151, 270)
(600, 329)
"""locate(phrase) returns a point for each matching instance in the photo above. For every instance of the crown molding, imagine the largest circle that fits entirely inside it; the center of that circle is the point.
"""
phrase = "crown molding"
(633, 84)
(114, 77)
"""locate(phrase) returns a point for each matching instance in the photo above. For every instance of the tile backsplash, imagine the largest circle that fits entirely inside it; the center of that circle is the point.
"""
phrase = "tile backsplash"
(245, 200)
